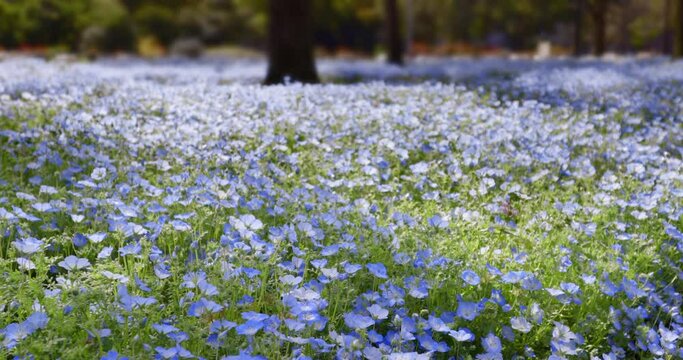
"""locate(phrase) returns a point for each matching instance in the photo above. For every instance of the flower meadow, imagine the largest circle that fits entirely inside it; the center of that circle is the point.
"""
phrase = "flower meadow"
(452, 209)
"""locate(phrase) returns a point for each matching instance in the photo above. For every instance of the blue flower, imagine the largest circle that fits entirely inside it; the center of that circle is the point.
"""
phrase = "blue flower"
(79, 240)
(491, 344)
(467, 310)
(180, 225)
(470, 277)
(71, 263)
(250, 328)
(417, 288)
(377, 312)
(632, 289)
(113, 355)
(16, 332)
(378, 270)
(203, 306)
(521, 324)
(175, 352)
(97, 237)
(244, 355)
(358, 322)
(462, 335)
(28, 245)
(438, 222)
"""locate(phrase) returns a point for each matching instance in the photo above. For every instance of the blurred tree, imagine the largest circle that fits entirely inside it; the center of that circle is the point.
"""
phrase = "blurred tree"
(16, 20)
(347, 24)
(394, 44)
(344, 26)
(678, 23)
(598, 10)
(290, 42)
(156, 21)
(667, 38)
(578, 27)
(410, 26)
(107, 27)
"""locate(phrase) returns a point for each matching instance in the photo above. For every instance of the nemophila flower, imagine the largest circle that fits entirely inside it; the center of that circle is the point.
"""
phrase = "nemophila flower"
(164, 328)
(221, 326)
(72, 263)
(130, 302)
(43, 207)
(98, 173)
(437, 324)
(467, 310)
(25, 264)
(246, 225)
(588, 279)
(520, 324)
(377, 270)
(419, 168)
(417, 288)
(632, 289)
(494, 271)
(514, 277)
(192, 159)
(318, 263)
(608, 287)
(470, 277)
(98, 333)
(6, 215)
(24, 215)
(141, 284)
(128, 211)
(244, 355)
(393, 295)
(180, 225)
(357, 322)
(175, 352)
(203, 306)
(28, 245)
(491, 344)
(113, 355)
(438, 222)
(130, 249)
(16, 332)
(162, 271)
(536, 313)
(429, 344)
(79, 240)
(113, 276)
(564, 341)
(508, 333)
(97, 237)
(291, 280)
(462, 335)
(377, 312)
(250, 328)
(105, 252)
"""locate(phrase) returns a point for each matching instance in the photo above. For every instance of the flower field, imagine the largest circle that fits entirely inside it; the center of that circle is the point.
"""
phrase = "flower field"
(446, 210)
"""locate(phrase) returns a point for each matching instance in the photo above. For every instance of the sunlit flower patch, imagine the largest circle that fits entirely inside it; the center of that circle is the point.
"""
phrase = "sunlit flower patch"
(176, 211)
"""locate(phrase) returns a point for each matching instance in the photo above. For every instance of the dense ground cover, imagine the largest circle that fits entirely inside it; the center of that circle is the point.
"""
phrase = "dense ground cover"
(176, 210)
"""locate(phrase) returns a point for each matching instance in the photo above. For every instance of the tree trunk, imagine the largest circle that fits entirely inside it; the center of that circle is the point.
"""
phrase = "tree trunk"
(393, 34)
(678, 23)
(599, 27)
(666, 36)
(290, 42)
(578, 24)
(410, 26)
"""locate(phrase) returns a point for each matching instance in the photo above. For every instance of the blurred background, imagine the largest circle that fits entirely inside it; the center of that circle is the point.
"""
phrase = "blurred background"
(342, 28)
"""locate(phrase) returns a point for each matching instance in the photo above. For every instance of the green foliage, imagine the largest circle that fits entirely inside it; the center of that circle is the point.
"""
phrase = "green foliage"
(110, 25)
(157, 21)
